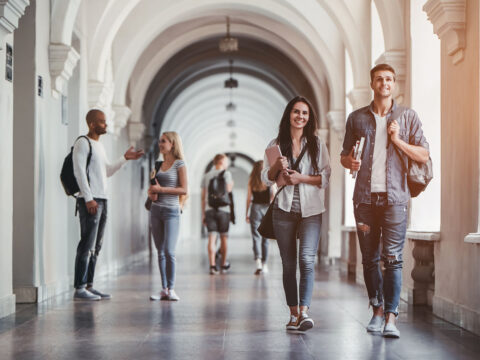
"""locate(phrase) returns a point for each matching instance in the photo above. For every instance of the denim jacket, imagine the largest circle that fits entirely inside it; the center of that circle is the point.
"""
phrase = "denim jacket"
(362, 123)
(312, 197)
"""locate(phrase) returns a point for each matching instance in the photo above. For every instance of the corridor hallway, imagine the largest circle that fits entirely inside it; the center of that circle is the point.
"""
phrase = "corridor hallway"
(233, 316)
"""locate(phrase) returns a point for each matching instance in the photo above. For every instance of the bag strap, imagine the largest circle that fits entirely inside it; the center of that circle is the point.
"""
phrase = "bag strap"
(89, 157)
(295, 166)
(399, 110)
(158, 165)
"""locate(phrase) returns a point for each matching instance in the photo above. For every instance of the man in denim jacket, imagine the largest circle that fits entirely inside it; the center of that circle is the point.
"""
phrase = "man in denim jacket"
(381, 193)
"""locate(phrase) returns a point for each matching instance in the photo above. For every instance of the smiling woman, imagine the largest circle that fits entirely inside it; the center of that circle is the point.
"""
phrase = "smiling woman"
(297, 211)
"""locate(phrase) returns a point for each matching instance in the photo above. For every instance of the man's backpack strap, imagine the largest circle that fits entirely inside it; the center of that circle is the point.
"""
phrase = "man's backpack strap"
(89, 157)
(87, 170)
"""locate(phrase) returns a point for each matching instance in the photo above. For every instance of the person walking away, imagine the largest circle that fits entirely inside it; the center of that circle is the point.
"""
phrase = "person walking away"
(258, 196)
(216, 185)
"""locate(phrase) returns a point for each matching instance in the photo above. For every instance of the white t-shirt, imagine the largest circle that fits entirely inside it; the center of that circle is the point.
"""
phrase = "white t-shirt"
(379, 162)
(99, 169)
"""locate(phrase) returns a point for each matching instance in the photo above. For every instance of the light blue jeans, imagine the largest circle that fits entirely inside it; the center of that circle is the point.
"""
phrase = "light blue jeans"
(381, 229)
(288, 227)
(165, 223)
(260, 244)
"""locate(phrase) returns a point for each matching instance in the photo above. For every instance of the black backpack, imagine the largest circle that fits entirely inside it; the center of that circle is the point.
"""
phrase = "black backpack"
(217, 191)
(67, 176)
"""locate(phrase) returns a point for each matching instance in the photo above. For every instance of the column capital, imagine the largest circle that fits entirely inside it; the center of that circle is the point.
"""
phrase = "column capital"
(100, 94)
(448, 18)
(336, 119)
(63, 59)
(360, 97)
(323, 134)
(121, 115)
(398, 60)
(135, 132)
(10, 12)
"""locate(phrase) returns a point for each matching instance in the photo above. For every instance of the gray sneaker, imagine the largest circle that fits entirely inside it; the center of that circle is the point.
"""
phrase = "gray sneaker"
(85, 295)
(375, 324)
(391, 331)
(103, 296)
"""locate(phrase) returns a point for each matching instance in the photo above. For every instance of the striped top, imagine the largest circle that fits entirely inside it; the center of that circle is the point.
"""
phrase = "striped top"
(169, 178)
(296, 195)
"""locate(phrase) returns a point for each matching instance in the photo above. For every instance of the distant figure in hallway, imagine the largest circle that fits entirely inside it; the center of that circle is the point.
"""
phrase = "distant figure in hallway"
(216, 186)
(92, 201)
(259, 196)
(171, 183)
(297, 213)
(393, 135)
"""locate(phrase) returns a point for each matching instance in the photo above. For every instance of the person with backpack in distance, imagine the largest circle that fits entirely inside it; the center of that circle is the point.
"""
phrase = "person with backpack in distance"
(258, 196)
(91, 169)
(216, 186)
(170, 182)
(392, 138)
(304, 166)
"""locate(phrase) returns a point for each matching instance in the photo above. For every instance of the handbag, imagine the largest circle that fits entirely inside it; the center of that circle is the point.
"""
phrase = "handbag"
(148, 202)
(266, 225)
(418, 175)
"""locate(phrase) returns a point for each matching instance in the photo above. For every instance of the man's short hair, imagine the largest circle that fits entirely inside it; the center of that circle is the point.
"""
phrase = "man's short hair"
(92, 115)
(218, 158)
(381, 67)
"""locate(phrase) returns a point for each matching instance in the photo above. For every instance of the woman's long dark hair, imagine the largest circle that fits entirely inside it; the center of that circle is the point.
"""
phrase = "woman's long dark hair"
(284, 138)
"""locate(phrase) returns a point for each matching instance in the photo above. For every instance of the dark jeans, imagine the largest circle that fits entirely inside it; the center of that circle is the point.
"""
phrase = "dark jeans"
(376, 221)
(257, 212)
(165, 229)
(91, 230)
(288, 227)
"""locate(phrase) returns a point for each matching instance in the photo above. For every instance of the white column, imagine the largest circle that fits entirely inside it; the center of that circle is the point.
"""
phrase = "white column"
(336, 120)
(10, 12)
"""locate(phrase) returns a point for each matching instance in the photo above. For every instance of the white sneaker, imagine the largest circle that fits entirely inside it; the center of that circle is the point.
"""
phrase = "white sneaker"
(264, 268)
(85, 295)
(163, 295)
(258, 264)
(172, 295)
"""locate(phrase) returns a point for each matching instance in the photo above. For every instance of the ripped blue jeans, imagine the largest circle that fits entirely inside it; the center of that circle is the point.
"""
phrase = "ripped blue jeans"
(381, 230)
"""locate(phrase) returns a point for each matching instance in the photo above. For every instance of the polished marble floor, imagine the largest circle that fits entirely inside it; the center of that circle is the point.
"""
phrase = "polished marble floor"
(233, 316)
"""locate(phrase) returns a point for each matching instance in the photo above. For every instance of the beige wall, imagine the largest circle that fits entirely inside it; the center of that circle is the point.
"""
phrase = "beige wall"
(457, 264)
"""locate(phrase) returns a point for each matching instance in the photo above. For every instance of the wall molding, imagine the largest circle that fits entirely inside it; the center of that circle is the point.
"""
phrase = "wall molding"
(448, 18)
(7, 305)
(457, 314)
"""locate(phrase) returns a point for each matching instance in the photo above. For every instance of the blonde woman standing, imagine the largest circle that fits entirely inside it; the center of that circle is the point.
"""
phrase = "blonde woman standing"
(259, 196)
(171, 182)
